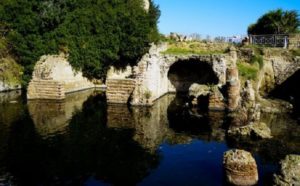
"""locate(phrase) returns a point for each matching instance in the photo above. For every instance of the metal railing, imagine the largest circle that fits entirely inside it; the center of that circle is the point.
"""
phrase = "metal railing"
(272, 40)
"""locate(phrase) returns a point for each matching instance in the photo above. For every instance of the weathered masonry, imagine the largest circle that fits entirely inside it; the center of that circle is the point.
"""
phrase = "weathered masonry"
(53, 77)
(157, 74)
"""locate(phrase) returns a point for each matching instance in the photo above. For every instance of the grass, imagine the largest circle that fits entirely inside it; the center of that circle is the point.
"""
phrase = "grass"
(258, 49)
(195, 47)
(185, 51)
(248, 71)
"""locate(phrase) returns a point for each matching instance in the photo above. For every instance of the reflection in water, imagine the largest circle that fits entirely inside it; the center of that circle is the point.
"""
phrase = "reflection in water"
(168, 119)
(10, 110)
(286, 138)
(205, 125)
(150, 124)
(87, 149)
(52, 116)
(82, 140)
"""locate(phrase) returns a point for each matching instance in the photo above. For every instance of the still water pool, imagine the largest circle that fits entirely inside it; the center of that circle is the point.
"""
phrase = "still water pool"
(84, 141)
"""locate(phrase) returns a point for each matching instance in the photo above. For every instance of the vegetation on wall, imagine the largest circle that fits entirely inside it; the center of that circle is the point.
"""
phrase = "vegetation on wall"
(276, 22)
(94, 33)
(195, 47)
(10, 71)
(247, 71)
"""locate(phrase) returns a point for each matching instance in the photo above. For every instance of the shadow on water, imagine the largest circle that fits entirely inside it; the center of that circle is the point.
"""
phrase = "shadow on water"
(84, 141)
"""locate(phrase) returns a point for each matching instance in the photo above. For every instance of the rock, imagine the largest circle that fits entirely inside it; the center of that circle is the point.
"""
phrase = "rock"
(240, 167)
(254, 113)
(261, 130)
(10, 74)
(290, 171)
(8, 87)
(239, 118)
(275, 106)
(258, 130)
(197, 90)
(249, 93)
(216, 100)
(266, 79)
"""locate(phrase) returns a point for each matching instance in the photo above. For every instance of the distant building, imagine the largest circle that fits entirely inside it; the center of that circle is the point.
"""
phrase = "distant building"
(235, 39)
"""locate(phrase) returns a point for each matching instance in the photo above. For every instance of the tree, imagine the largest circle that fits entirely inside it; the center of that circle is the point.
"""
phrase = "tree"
(95, 33)
(276, 22)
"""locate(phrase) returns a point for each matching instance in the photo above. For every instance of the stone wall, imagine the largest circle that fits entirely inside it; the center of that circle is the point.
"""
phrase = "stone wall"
(119, 90)
(46, 89)
(53, 77)
(294, 41)
(283, 68)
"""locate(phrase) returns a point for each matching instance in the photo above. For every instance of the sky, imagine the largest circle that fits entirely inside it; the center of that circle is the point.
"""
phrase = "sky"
(216, 17)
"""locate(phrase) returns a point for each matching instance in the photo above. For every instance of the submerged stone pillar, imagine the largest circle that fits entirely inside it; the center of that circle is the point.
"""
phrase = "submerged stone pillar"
(240, 167)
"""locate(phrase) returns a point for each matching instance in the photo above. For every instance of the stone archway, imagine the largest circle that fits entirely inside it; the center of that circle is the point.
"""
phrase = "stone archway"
(157, 74)
(183, 73)
(289, 91)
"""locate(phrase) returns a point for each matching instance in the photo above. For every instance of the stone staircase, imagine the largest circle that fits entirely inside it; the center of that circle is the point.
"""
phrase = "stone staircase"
(119, 90)
(46, 89)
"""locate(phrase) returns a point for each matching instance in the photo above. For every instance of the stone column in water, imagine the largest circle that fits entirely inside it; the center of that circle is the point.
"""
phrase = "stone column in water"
(240, 168)
(233, 82)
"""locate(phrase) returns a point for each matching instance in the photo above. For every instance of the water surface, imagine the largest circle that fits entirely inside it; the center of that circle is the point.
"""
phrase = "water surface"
(84, 141)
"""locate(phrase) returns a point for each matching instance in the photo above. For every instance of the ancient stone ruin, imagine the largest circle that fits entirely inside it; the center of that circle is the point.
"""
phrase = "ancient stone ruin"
(158, 74)
(53, 77)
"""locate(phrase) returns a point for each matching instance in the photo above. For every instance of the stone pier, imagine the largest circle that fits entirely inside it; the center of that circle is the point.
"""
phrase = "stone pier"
(53, 77)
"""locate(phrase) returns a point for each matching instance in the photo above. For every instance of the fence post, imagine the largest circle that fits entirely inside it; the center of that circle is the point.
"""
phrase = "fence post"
(285, 42)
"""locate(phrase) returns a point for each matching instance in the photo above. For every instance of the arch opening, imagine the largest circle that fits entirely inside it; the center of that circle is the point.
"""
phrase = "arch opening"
(289, 91)
(184, 73)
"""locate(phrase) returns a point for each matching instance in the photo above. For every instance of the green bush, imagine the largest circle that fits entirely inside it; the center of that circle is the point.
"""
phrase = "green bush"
(95, 33)
(247, 71)
(257, 59)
